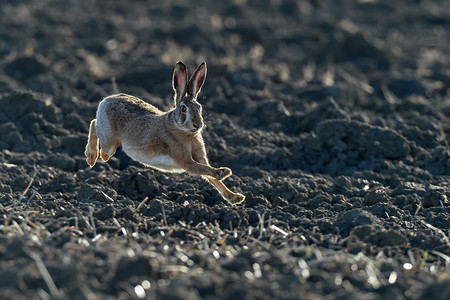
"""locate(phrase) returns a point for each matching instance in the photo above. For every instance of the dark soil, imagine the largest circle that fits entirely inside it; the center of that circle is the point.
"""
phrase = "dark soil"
(333, 115)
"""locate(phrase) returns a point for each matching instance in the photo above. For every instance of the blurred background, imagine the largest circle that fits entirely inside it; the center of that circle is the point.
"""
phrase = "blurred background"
(256, 45)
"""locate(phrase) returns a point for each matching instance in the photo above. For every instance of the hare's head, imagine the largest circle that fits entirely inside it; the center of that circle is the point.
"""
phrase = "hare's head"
(188, 112)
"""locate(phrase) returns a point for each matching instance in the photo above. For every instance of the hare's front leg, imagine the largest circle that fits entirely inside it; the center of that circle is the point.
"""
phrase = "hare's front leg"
(233, 198)
(198, 168)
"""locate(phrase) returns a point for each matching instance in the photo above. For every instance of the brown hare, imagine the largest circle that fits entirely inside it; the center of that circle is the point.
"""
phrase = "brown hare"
(168, 141)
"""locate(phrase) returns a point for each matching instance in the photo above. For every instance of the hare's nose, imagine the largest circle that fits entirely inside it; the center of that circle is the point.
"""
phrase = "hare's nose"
(196, 126)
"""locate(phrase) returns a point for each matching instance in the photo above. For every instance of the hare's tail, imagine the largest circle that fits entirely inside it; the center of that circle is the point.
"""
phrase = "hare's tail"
(91, 151)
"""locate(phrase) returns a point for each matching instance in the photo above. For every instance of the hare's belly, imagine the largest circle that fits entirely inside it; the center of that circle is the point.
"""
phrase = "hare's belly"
(160, 162)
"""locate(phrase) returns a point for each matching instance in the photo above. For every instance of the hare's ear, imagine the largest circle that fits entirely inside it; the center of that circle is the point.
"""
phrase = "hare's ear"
(196, 82)
(179, 81)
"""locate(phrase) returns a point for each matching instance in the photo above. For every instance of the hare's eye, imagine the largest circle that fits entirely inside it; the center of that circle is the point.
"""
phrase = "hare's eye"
(183, 108)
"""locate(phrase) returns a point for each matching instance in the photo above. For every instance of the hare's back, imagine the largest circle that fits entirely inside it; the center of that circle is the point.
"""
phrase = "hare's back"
(119, 115)
(127, 105)
(123, 108)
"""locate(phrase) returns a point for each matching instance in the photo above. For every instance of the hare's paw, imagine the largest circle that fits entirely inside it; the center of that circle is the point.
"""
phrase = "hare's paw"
(237, 198)
(91, 157)
(103, 155)
(223, 173)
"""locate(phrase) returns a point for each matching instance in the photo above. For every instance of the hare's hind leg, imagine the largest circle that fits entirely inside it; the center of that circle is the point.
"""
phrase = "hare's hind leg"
(91, 151)
(109, 151)
(103, 155)
(108, 144)
(107, 136)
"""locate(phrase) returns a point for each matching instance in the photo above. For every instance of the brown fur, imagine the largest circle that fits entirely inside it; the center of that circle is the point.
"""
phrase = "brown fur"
(169, 141)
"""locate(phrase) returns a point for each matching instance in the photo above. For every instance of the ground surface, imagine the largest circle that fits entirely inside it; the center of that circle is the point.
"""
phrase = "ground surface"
(333, 116)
